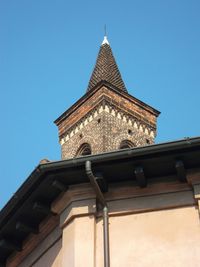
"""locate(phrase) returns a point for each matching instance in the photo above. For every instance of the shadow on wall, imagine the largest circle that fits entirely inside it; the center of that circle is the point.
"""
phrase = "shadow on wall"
(51, 257)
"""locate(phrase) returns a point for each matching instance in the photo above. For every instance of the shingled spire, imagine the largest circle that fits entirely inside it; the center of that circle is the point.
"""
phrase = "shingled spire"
(106, 68)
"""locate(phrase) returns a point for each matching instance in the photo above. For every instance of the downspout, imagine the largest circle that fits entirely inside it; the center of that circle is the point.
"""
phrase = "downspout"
(102, 200)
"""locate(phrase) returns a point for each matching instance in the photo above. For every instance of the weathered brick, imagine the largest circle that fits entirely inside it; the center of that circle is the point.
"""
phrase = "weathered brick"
(106, 115)
(122, 117)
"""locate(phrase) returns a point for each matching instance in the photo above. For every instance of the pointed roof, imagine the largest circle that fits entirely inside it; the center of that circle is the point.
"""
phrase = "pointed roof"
(106, 68)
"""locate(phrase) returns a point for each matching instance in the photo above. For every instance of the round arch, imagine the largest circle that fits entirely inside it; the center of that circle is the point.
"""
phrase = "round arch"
(84, 149)
(126, 144)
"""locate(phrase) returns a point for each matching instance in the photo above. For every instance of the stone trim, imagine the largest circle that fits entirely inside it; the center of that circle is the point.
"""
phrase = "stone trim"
(196, 188)
(77, 209)
(151, 203)
(197, 192)
(74, 193)
(130, 200)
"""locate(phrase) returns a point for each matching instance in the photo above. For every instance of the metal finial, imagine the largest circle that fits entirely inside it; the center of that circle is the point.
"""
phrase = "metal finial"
(105, 40)
(105, 32)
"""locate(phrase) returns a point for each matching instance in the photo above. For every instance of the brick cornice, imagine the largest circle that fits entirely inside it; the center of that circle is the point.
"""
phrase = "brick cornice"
(108, 86)
(102, 97)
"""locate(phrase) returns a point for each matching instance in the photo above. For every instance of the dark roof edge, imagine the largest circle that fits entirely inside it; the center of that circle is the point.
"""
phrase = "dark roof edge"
(123, 153)
(35, 176)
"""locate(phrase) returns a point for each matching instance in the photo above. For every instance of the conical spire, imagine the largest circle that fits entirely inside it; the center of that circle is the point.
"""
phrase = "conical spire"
(106, 68)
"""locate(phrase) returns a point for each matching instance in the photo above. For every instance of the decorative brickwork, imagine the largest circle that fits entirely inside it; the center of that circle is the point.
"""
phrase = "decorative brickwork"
(104, 128)
(106, 118)
(104, 133)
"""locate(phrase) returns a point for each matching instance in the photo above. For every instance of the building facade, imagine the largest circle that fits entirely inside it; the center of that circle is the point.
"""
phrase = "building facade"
(151, 192)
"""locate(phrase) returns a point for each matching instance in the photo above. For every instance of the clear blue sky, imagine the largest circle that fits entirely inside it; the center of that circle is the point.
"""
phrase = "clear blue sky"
(47, 53)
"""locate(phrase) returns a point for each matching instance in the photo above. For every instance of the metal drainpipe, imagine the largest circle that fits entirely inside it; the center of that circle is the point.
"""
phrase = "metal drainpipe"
(102, 200)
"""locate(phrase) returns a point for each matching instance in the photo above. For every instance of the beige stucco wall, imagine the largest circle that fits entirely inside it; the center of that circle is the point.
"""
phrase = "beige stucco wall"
(48, 253)
(78, 243)
(160, 238)
(149, 229)
(52, 257)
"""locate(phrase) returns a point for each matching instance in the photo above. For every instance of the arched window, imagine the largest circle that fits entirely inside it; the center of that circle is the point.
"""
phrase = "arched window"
(84, 149)
(126, 144)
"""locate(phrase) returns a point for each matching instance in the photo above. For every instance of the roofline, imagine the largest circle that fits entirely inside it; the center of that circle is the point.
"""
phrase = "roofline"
(122, 153)
(23, 192)
(88, 94)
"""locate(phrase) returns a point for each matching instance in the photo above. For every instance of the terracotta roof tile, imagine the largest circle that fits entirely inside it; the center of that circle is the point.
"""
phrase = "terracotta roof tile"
(106, 69)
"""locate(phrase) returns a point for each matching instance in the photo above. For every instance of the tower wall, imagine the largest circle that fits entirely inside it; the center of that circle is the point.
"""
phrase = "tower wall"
(106, 118)
(104, 129)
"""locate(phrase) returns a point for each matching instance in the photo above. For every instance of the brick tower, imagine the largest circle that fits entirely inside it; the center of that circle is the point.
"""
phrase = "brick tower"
(106, 118)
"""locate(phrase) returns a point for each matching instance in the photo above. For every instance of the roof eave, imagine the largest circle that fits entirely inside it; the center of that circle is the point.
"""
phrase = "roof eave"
(117, 166)
(98, 158)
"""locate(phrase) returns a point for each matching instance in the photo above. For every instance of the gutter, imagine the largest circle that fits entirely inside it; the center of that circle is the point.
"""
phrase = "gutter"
(102, 200)
(123, 153)
(188, 149)
(35, 177)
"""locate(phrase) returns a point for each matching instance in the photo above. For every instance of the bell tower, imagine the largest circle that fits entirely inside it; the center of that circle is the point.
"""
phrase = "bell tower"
(106, 118)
